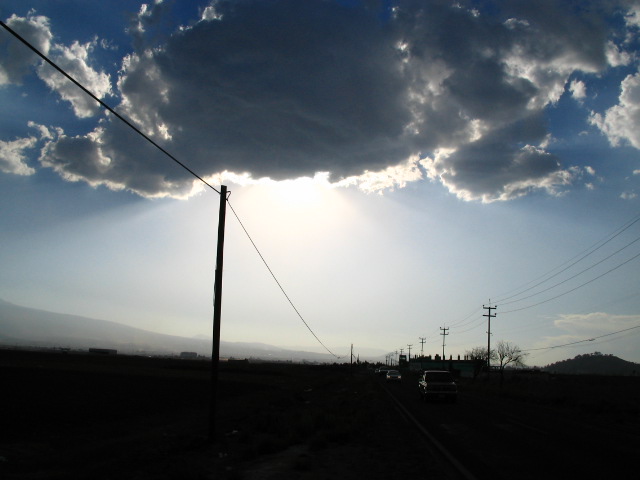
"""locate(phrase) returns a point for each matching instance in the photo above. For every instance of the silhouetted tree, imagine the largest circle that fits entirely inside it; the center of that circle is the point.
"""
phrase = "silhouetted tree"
(479, 355)
(508, 353)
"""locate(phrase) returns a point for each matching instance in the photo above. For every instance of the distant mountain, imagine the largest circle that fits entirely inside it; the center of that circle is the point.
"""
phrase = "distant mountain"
(365, 353)
(595, 364)
(24, 327)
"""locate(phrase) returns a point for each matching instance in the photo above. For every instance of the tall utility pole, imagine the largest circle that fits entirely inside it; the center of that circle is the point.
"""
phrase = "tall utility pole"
(410, 351)
(217, 310)
(489, 315)
(422, 340)
(445, 332)
(351, 360)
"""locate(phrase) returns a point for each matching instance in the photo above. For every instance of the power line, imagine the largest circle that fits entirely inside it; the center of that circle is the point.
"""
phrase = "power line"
(574, 276)
(592, 308)
(475, 323)
(614, 301)
(582, 341)
(576, 288)
(588, 251)
(278, 283)
(463, 323)
(479, 324)
(107, 107)
(460, 323)
(146, 137)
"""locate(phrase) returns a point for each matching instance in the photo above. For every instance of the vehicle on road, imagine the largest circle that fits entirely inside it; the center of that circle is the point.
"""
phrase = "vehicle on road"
(438, 385)
(382, 371)
(393, 376)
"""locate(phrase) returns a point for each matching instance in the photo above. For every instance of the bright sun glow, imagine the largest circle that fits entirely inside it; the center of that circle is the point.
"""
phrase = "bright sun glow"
(302, 192)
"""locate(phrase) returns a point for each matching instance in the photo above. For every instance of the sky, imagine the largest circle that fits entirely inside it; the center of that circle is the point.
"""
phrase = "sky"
(395, 165)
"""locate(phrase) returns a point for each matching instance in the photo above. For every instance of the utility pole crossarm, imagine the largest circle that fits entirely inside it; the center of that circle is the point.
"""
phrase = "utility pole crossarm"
(489, 316)
(445, 332)
(422, 340)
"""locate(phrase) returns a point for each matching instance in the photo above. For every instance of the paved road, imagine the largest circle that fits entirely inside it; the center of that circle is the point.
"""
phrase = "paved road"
(506, 439)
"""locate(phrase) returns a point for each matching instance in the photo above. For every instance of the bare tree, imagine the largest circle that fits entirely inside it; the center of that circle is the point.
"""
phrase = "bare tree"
(479, 354)
(508, 353)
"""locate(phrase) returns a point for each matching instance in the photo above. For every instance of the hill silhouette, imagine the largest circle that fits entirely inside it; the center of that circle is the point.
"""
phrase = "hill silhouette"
(594, 364)
(28, 327)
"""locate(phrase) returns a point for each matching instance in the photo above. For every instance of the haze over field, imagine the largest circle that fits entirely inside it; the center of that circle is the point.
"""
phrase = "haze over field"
(398, 165)
(22, 327)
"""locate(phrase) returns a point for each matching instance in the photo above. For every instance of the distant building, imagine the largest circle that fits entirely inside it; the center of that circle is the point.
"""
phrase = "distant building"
(237, 360)
(460, 368)
(103, 351)
(188, 355)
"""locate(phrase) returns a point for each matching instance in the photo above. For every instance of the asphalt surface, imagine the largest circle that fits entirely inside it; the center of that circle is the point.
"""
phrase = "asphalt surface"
(500, 438)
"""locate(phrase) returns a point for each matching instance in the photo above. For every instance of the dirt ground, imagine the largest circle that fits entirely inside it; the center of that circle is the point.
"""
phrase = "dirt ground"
(103, 417)
(77, 416)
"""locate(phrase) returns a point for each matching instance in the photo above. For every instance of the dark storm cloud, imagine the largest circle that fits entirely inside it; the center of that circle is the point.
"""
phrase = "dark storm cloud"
(281, 89)
(516, 170)
(286, 88)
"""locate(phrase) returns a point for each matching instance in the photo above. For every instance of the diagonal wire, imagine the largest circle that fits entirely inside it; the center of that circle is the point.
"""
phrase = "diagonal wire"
(582, 341)
(574, 276)
(278, 283)
(576, 288)
(104, 105)
(587, 252)
(146, 137)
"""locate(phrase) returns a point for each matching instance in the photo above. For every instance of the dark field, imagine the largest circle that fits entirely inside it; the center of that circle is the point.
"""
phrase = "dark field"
(80, 416)
(118, 417)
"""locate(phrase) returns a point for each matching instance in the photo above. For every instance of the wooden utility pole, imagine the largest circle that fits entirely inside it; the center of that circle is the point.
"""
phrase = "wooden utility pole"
(351, 360)
(489, 315)
(445, 332)
(422, 340)
(217, 310)
(411, 345)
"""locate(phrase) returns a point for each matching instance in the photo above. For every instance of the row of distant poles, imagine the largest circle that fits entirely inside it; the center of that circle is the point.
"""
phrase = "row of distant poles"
(217, 314)
(445, 331)
(217, 302)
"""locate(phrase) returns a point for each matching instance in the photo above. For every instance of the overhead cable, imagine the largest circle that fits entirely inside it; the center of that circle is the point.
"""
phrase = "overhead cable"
(574, 276)
(595, 247)
(104, 105)
(146, 137)
(574, 289)
(461, 322)
(278, 283)
(582, 341)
